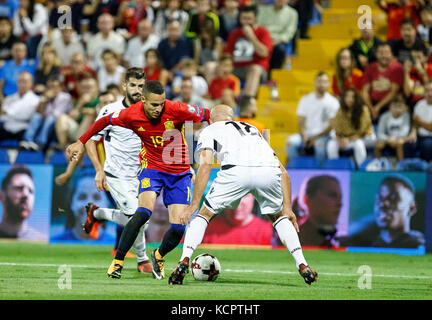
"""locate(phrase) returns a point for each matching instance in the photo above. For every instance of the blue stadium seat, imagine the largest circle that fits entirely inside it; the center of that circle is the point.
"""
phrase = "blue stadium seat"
(4, 156)
(376, 164)
(58, 159)
(9, 144)
(412, 164)
(30, 157)
(303, 163)
(339, 164)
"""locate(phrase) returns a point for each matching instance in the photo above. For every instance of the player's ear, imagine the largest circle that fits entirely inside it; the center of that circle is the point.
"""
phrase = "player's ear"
(412, 209)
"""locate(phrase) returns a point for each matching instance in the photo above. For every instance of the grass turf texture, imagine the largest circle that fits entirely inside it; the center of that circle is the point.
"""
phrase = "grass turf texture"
(30, 271)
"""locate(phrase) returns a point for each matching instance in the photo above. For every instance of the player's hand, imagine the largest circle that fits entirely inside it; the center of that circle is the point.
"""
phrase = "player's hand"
(75, 151)
(291, 217)
(100, 180)
(186, 215)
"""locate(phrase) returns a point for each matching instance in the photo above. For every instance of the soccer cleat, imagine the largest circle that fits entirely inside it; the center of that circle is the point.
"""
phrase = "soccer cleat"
(179, 273)
(158, 266)
(114, 271)
(91, 225)
(309, 275)
(144, 267)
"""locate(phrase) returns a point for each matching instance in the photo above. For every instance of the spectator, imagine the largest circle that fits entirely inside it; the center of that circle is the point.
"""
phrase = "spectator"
(154, 69)
(138, 46)
(114, 90)
(12, 68)
(131, 12)
(228, 18)
(248, 110)
(202, 16)
(424, 27)
(422, 126)
(174, 48)
(187, 93)
(382, 81)
(208, 47)
(76, 71)
(7, 39)
(225, 81)
(93, 10)
(17, 109)
(393, 129)
(314, 111)
(305, 11)
(364, 48)
(417, 72)
(398, 11)
(55, 20)
(346, 75)
(66, 43)
(402, 48)
(106, 38)
(251, 46)
(111, 71)
(53, 103)
(190, 70)
(49, 66)
(8, 8)
(172, 12)
(72, 125)
(31, 24)
(281, 21)
(353, 128)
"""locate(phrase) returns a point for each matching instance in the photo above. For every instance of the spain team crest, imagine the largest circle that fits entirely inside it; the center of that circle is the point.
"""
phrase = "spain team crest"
(169, 125)
(145, 183)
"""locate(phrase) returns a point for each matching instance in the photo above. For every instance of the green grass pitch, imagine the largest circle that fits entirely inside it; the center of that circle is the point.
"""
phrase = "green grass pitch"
(31, 271)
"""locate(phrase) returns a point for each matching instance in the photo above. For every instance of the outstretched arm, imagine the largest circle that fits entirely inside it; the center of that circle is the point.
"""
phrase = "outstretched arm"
(201, 180)
(100, 178)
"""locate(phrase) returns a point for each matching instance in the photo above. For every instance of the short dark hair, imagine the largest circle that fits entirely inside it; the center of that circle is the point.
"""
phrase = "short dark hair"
(103, 93)
(249, 8)
(408, 21)
(109, 51)
(136, 73)
(321, 73)
(153, 86)
(12, 172)
(112, 86)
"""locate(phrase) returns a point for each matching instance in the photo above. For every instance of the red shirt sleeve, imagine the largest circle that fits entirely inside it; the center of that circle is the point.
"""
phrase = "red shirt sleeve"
(334, 86)
(229, 48)
(188, 112)
(397, 74)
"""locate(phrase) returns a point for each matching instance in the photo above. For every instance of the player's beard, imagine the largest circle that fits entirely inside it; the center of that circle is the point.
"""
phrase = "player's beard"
(16, 213)
(133, 98)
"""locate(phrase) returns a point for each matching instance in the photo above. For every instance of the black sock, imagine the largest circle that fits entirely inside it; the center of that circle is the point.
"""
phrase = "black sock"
(131, 231)
(171, 239)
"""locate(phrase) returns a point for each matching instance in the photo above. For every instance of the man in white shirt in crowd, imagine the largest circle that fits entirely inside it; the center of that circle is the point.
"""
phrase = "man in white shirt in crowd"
(17, 109)
(314, 111)
(137, 46)
(66, 43)
(111, 71)
(106, 38)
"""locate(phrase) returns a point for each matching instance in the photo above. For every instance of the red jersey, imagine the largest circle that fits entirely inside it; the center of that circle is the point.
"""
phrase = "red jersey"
(418, 83)
(397, 13)
(71, 80)
(243, 51)
(218, 85)
(163, 143)
(381, 81)
(355, 80)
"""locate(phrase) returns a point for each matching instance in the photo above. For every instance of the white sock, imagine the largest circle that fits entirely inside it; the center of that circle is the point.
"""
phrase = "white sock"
(140, 246)
(288, 235)
(114, 215)
(194, 236)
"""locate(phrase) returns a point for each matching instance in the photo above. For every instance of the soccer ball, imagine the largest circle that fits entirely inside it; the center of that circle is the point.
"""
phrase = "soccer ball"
(205, 267)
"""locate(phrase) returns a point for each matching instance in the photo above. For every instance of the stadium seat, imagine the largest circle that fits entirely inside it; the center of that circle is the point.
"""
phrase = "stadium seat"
(58, 159)
(30, 157)
(339, 164)
(303, 163)
(414, 164)
(376, 164)
(9, 144)
(4, 156)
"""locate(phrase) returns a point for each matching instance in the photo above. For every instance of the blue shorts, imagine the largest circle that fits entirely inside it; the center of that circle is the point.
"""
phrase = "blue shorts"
(176, 187)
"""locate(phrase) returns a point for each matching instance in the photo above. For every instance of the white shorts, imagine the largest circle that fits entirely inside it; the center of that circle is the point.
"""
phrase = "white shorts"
(125, 193)
(231, 185)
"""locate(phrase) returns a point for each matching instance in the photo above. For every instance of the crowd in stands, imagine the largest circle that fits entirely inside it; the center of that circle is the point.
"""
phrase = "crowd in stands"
(57, 58)
(380, 101)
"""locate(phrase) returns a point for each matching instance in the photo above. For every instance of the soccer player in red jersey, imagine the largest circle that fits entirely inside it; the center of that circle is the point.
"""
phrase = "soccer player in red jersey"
(164, 166)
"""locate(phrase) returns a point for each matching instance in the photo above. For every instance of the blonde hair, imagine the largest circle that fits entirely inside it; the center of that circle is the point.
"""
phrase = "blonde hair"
(52, 50)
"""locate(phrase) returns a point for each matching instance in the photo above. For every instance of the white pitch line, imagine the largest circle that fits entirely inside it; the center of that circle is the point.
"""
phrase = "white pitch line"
(223, 270)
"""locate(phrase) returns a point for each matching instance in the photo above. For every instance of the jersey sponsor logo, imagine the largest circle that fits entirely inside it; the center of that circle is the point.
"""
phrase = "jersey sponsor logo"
(141, 129)
(145, 183)
(191, 108)
(169, 125)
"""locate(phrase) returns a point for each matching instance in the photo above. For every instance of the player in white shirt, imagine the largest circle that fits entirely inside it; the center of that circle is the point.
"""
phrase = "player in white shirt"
(122, 147)
(248, 165)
